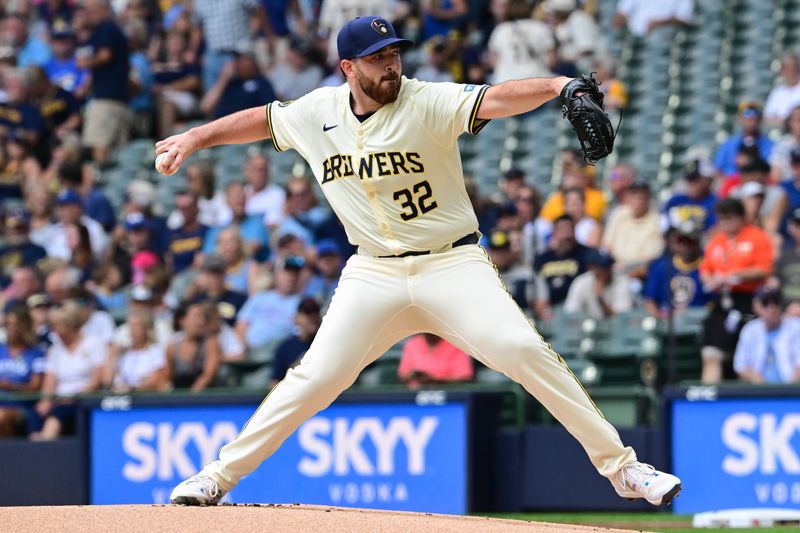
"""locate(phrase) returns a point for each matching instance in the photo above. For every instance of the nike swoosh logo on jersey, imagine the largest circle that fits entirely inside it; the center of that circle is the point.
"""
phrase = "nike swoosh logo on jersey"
(325, 127)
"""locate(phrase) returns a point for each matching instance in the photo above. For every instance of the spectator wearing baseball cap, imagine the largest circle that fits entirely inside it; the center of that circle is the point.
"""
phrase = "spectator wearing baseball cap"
(764, 202)
(697, 201)
(599, 292)
(212, 288)
(291, 349)
(768, 350)
(69, 210)
(749, 116)
(673, 280)
(96, 204)
(239, 86)
(633, 234)
(327, 270)
(62, 69)
(787, 267)
(516, 277)
(140, 198)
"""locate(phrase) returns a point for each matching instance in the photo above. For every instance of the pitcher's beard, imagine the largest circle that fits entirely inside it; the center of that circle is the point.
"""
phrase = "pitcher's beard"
(383, 91)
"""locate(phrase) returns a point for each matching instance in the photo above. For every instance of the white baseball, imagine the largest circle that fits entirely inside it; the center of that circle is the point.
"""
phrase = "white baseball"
(163, 160)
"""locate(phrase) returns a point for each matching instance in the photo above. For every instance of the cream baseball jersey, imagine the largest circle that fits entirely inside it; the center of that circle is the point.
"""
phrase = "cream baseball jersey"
(395, 180)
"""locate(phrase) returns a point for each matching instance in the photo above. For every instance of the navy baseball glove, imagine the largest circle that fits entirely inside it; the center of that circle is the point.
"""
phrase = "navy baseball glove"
(585, 112)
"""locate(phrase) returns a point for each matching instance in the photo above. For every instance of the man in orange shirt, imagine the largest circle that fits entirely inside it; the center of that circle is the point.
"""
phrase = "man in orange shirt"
(737, 260)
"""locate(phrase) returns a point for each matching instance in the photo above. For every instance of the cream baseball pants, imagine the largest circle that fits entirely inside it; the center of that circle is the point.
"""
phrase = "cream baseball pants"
(456, 295)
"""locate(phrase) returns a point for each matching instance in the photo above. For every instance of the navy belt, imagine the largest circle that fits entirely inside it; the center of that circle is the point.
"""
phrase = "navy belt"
(472, 238)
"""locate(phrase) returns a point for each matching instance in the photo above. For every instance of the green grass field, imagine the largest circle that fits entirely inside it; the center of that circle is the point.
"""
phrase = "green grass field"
(668, 523)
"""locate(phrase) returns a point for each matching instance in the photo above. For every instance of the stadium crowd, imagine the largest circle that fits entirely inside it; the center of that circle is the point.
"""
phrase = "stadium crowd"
(128, 297)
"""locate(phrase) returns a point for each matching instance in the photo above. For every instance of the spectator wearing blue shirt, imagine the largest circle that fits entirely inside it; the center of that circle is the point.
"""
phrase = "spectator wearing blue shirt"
(239, 86)
(251, 227)
(302, 214)
(268, 316)
(96, 204)
(17, 250)
(141, 76)
(22, 366)
(107, 118)
(59, 108)
(328, 267)
(62, 69)
(186, 241)
(750, 112)
(697, 202)
(768, 350)
(673, 280)
(30, 49)
(292, 348)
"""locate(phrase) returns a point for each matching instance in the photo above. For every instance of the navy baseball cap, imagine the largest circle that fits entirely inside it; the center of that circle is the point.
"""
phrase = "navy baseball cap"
(68, 196)
(363, 36)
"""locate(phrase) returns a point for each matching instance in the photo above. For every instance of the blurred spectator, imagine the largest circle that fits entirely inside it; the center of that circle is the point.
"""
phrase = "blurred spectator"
(696, 202)
(633, 235)
(336, 13)
(292, 348)
(142, 298)
(737, 259)
(240, 86)
(142, 366)
(231, 346)
(557, 267)
(577, 36)
(107, 118)
(519, 46)
(533, 236)
(201, 181)
(268, 316)
(212, 287)
(22, 366)
(752, 196)
(328, 270)
(226, 28)
(284, 16)
(18, 118)
(175, 84)
(643, 16)
(69, 210)
(298, 74)
(787, 268)
(74, 366)
(141, 77)
(428, 359)
(39, 202)
(574, 177)
(515, 276)
(440, 17)
(80, 249)
(39, 308)
(96, 204)
(781, 159)
(62, 69)
(435, 67)
(107, 286)
(16, 249)
(614, 91)
(18, 168)
(241, 273)
(510, 185)
(587, 229)
(194, 354)
(98, 324)
(791, 189)
(786, 96)
(263, 197)
(600, 292)
(60, 283)
(186, 241)
(302, 215)
(29, 49)
(768, 350)
(140, 198)
(673, 280)
(764, 203)
(135, 239)
(250, 228)
(59, 109)
(24, 281)
(749, 135)
(55, 13)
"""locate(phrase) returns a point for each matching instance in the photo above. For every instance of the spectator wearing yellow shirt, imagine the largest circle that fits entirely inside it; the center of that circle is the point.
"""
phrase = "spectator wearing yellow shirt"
(574, 177)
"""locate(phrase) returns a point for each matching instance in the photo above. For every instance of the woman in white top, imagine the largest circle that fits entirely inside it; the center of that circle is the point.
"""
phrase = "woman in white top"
(74, 366)
(142, 365)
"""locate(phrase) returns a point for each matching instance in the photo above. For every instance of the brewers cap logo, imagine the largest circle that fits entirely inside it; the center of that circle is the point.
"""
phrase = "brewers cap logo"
(380, 26)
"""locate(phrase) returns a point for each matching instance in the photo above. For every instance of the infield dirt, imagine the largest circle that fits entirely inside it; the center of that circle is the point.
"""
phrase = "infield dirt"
(251, 518)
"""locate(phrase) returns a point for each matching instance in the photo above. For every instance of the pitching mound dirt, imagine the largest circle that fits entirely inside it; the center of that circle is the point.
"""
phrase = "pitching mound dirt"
(251, 518)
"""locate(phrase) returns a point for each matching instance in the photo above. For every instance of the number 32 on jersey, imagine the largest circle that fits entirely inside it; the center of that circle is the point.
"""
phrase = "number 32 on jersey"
(416, 201)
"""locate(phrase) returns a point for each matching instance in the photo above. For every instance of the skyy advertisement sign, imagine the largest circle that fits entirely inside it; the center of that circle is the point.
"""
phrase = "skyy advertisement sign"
(737, 453)
(379, 456)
